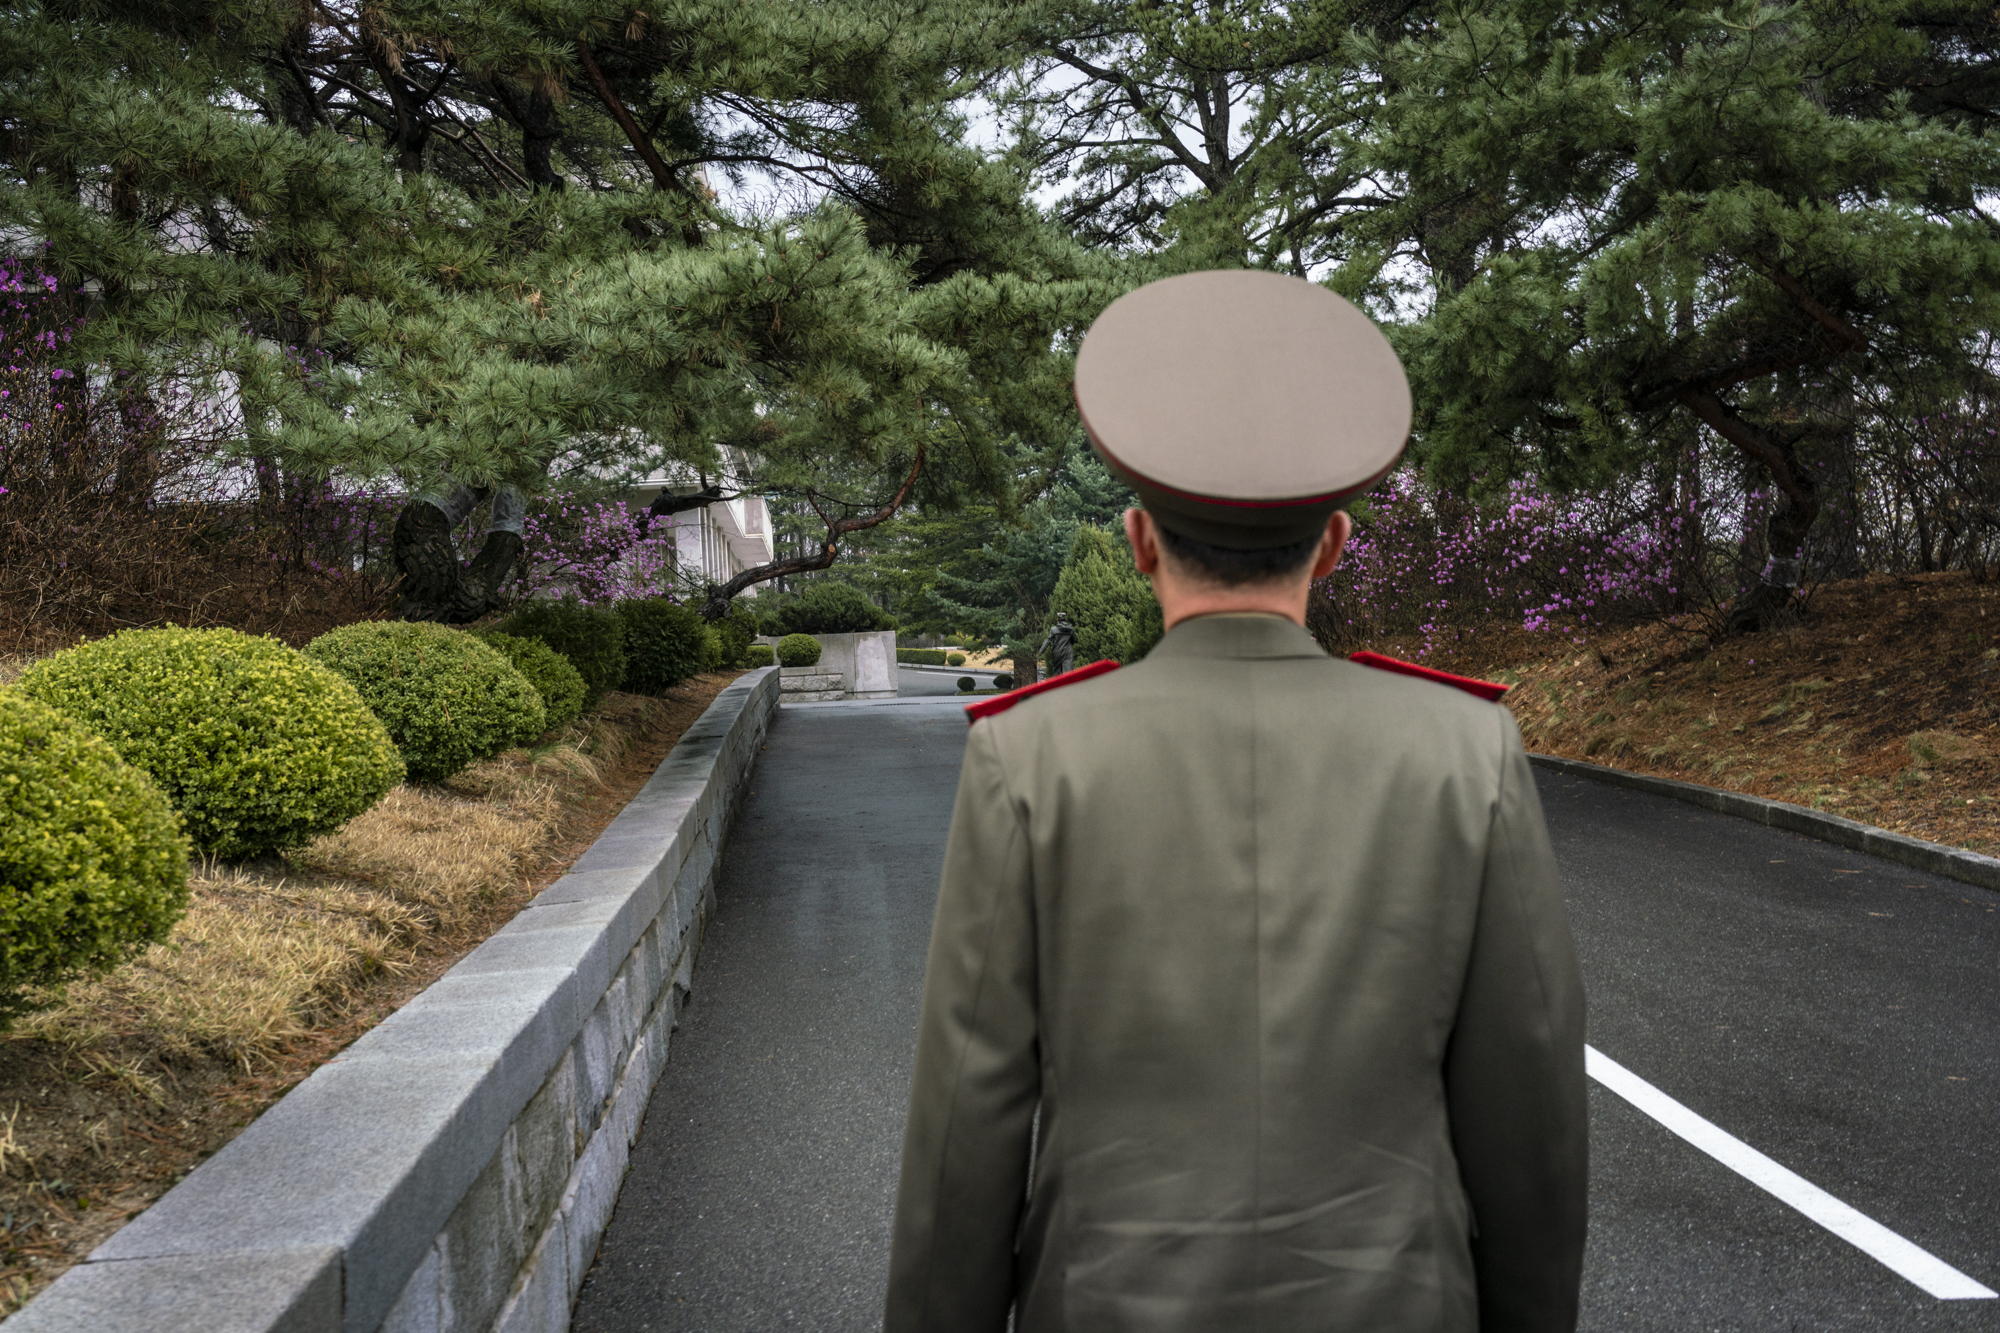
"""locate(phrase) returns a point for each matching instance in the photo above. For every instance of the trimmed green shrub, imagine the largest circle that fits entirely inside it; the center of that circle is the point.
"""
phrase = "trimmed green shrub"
(759, 655)
(1107, 598)
(954, 659)
(257, 746)
(922, 656)
(593, 639)
(771, 614)
(561, 688)
(827, 606)
(93, 864)
(446, 696)
(967, 684)
(664, 644)
(797, 650)
(737, 629)
(712, 649)
(1003, 681)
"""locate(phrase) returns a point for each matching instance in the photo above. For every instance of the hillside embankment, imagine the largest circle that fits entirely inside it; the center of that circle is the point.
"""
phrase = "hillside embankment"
(1880, 702)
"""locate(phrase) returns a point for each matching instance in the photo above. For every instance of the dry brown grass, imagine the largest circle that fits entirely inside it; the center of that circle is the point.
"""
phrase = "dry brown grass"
(270, 949)
(113, 1093)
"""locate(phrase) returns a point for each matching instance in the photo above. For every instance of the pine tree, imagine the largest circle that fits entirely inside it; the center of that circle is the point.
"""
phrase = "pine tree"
(1637, 217)
(1106, 598)
(476, 246)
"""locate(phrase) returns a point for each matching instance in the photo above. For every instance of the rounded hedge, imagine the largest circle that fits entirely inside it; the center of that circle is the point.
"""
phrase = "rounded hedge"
(954, 659)
(258, 747)
(446, 697)
(592, 638)
(561, 688)
(828, 606)
(1003, 681)
(759, 655)
(93, 863)
(665, 643)
(967, 684)
(797, 650)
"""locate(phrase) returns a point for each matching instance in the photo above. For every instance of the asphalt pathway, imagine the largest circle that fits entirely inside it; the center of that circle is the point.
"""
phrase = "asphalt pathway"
(761, 1187)
(1835, 1012)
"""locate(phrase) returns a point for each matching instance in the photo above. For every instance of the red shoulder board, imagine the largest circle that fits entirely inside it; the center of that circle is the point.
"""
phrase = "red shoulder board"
(1485, 689)
(1000, 703)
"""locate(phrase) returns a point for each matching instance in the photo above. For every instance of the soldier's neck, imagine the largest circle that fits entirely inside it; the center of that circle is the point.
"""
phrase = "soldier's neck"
(1180, 600)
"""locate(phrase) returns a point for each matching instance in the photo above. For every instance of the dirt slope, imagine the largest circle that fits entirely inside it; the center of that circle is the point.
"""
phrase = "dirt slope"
(1881, 704)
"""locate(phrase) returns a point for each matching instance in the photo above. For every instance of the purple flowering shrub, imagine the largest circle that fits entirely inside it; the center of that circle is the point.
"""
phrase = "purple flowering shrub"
(1431, 564)
(591, 549)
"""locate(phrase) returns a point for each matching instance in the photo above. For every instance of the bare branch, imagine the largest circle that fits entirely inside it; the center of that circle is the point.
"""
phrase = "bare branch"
(717, 605)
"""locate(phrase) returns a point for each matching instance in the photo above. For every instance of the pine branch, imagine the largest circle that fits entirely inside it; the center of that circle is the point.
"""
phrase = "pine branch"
(717, 605)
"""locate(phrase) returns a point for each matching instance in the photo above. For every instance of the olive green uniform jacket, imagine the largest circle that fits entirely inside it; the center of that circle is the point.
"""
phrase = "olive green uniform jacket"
(1274, 945)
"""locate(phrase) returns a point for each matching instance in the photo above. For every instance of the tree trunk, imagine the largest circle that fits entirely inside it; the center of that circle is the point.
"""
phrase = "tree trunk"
(1790, 522)
(435, 585)
(138, 451)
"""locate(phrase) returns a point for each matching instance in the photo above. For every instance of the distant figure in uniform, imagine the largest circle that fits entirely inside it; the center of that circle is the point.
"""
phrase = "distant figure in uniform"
(1059, 646)
(1256, 957)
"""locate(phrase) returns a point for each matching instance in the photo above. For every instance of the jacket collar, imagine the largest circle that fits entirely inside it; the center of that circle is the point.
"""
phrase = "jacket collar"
(1252, 635)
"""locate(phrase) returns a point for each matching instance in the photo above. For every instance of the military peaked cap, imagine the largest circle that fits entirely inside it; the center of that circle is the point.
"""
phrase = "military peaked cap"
(1243, 407)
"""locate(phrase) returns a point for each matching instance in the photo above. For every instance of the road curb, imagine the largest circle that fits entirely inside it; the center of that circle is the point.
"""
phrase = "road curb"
(1951, 862)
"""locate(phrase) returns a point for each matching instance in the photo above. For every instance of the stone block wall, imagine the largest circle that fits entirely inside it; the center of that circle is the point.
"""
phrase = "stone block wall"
(454, 1168)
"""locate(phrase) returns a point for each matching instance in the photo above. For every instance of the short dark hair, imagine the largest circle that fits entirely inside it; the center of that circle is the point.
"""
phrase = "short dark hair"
(1219, 564)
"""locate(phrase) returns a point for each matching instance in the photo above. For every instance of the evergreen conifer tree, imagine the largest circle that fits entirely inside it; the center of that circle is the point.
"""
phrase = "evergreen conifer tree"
(1639, 216)
(1107, 599)
(478, 246)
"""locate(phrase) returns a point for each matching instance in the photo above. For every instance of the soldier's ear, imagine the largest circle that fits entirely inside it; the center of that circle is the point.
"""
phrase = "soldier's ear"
(1144, 542)
(1332, 542)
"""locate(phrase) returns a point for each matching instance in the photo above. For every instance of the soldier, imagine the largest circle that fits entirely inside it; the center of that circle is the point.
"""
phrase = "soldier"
(1059, 645)
(1251, 1002)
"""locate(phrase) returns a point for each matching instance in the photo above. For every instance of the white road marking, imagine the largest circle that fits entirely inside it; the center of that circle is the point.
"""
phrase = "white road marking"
(1864, 1233)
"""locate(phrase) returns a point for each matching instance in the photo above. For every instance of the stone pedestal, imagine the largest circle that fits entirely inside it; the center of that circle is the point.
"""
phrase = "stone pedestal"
(865, 664)
(810, 685)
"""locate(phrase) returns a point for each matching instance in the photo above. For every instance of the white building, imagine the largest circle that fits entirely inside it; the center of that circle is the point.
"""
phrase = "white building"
(715, 543)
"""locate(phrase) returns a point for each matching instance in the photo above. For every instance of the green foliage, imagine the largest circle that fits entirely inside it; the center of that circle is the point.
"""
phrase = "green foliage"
(988, 574)
(93, 865)
(665, 643)
(561, 688)
(496, 284)
(712, 648)
(759, 655)
(1003, 681)
(592, 638)
(798, 650)
(446, 696)
(1273, 185)
(954, 659)
(1108, 600)
(737, 629)
(829, 606)
(258, 747)
(967, 684)
(1655, 220)
(925, 656)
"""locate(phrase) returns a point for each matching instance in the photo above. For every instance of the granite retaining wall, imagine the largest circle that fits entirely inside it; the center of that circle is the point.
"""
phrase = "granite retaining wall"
(455, 1167)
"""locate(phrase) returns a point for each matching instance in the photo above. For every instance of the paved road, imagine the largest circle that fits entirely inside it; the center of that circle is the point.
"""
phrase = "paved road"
(1838, 1013)
(761, 1187)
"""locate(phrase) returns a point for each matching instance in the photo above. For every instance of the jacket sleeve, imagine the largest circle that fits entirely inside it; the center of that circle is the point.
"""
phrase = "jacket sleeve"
(977, 1080)
(1514, 1078)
